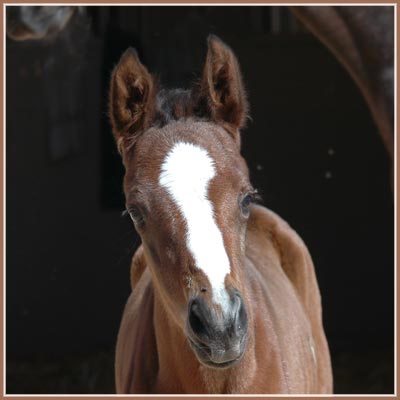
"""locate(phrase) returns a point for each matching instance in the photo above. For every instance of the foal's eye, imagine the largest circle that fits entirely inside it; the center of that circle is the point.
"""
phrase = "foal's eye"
(246, 201)
(136, 215)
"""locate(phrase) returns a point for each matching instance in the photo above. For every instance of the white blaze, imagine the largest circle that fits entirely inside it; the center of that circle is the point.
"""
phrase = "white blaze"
(185, 173)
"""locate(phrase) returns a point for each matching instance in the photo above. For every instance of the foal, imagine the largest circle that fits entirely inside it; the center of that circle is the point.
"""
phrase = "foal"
(224, 296)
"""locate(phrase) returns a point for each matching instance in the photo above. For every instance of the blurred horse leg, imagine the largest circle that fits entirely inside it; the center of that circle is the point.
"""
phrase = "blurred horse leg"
(362, 39)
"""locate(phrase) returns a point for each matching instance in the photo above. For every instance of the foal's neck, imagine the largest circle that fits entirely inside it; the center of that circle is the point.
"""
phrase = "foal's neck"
(179, 369)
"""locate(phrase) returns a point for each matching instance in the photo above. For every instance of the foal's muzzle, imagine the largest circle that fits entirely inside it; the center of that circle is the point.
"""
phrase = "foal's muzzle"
(218, 339)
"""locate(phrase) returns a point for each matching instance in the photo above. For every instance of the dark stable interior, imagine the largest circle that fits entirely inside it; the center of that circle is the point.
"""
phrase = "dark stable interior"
(312, 148)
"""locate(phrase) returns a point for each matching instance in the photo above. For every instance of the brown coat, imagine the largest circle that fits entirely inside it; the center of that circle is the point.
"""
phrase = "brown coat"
(287, 350)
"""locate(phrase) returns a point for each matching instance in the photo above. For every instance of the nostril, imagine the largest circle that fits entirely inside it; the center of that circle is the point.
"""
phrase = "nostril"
(196, 321)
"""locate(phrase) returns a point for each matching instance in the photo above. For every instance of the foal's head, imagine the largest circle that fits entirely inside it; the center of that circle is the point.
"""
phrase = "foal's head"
(187, 190)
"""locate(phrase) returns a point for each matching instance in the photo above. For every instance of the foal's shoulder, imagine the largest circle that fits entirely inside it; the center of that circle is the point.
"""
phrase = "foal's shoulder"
(136, 362)
(138, 267)
(268, 228)
(271, 226)
(264, 218)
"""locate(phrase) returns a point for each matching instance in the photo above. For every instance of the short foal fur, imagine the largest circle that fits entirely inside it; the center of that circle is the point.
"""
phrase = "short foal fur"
(224, 296)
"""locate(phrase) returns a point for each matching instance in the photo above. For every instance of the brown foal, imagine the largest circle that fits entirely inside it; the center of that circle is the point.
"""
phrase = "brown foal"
(224, 295)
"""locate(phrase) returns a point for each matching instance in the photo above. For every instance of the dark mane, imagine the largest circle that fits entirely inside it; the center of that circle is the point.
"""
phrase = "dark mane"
(175, 104)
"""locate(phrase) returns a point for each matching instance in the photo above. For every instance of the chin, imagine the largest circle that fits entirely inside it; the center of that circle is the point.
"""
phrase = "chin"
(203, 353)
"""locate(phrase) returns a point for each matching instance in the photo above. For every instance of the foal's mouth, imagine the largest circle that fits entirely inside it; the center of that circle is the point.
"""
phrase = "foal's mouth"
(218, 341)
(203, 353)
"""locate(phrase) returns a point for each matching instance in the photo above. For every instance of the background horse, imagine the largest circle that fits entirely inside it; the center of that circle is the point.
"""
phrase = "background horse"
(224, 297)
(38, 22)
(362, 39)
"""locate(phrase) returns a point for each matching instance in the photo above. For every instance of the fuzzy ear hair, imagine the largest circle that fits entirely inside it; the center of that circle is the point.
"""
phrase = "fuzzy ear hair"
(132, 99)
(221, 87)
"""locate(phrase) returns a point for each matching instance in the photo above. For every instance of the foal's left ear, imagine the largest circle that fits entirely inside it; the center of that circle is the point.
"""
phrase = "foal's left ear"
(222, 87)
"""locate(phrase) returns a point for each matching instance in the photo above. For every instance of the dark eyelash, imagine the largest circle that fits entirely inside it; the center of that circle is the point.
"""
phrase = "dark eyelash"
(256, 197)
(129, 212)
(136, 215)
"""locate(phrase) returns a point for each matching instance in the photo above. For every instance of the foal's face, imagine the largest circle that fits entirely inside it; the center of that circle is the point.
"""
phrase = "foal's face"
(188, 193)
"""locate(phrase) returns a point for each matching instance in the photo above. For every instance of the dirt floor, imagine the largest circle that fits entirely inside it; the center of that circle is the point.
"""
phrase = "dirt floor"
(354, 373)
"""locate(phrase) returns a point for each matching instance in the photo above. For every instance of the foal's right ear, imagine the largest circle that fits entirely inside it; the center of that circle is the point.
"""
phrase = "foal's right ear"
(132, 99)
